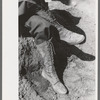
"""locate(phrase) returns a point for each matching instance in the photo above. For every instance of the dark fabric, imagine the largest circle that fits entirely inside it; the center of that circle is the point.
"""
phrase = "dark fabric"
(31, 6)
(65, 18)
(66, 2)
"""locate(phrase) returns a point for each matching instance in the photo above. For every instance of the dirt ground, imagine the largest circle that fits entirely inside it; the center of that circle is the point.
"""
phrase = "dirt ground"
(79, 76)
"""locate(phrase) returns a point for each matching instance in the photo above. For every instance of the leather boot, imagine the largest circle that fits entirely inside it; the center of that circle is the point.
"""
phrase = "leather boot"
(72, 38)
(49, 73)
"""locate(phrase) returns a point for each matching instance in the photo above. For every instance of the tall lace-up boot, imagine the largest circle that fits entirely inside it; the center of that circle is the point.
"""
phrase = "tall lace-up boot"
(49, 73)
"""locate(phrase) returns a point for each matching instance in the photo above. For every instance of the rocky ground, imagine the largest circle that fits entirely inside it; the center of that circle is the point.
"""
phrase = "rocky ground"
(79, 76)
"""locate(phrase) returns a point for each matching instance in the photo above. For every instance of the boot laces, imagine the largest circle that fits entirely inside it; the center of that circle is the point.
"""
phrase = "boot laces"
(49, 58)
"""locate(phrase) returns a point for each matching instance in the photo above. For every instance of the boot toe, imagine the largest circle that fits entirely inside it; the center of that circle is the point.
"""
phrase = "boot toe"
(73, 38)
(81, 39)
(59, 88)
(77, 38)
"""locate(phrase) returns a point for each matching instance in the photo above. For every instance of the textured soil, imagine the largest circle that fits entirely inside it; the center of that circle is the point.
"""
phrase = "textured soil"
(79, 76)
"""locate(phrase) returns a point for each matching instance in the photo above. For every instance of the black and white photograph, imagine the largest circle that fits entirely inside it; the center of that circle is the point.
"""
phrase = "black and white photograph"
(57, 44)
